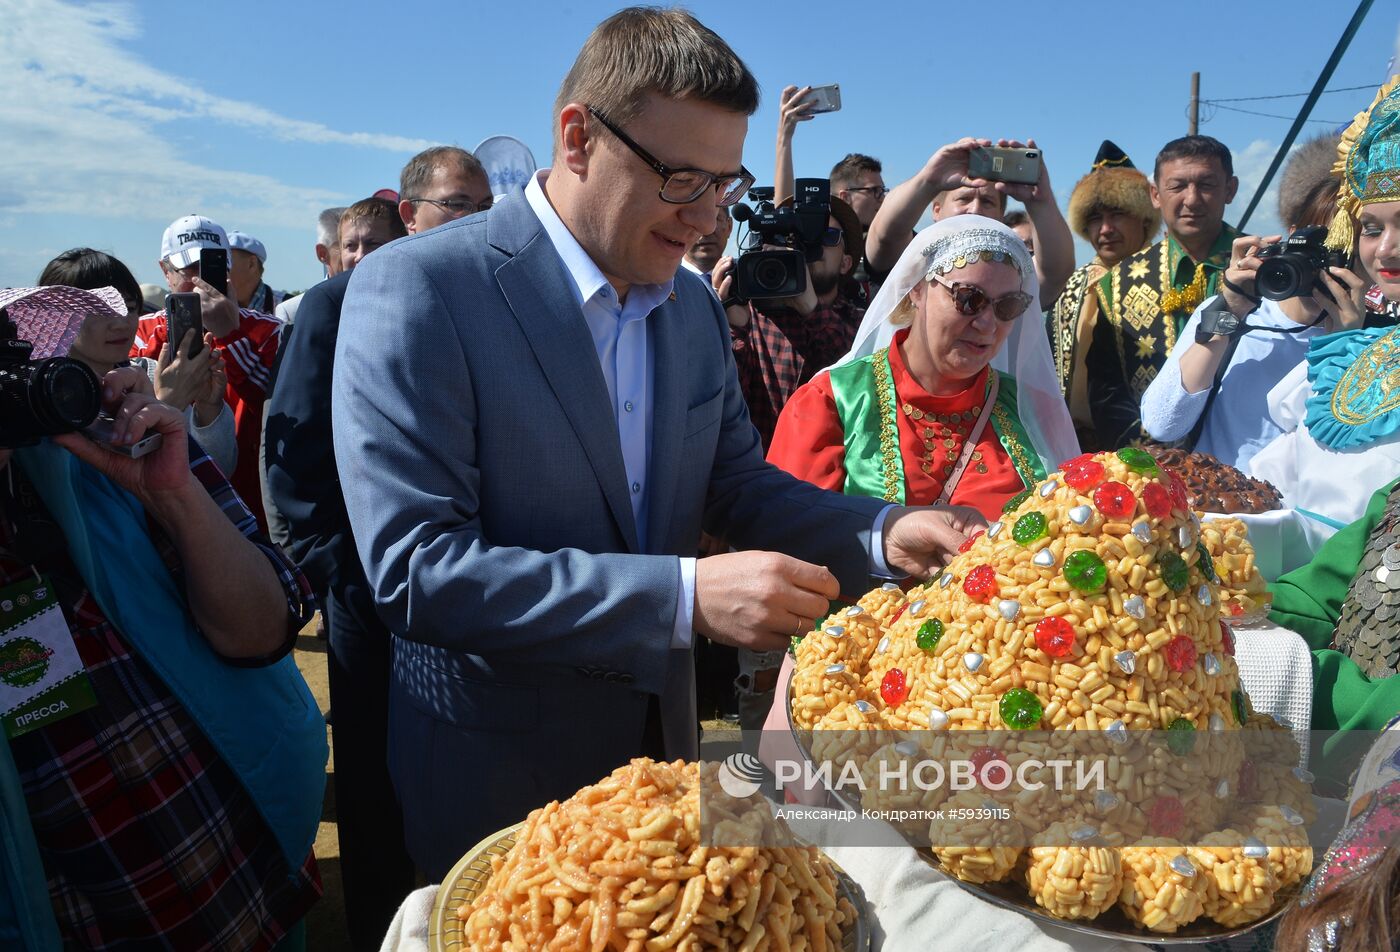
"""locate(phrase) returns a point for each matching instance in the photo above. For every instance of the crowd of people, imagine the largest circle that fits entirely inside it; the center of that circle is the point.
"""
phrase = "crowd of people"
(529, 457)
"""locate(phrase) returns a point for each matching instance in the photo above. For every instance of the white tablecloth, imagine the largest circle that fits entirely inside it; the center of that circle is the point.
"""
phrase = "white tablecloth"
(1283, 539)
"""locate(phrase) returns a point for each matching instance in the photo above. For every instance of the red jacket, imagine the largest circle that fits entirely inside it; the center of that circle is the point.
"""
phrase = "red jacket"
(249, 353)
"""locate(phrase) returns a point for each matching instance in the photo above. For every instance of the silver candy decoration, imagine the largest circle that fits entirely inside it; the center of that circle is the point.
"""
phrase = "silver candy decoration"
(907, 748)
(937, 719)
(1184, 536)
(1135, 607)
(1126, 661)
(854, 610)
(1084, 833)
(890, 587)
(1080, 515)
(864, 707)
(1142, 532)
(1183, 866)
(1203, 594)
(1303, 775)
(945, 580)
(1105, 801)
(1217, 723)
(835, 631)
(1222, 790)
(917, 608)
(1009, 608)
(837, 668)
(1048, 489)
(1293, 817)
(883, 645)
(1044, 558)
(1254, 848)
(972, 661)
(995, 528)
(1118, 732)
(1211, 664)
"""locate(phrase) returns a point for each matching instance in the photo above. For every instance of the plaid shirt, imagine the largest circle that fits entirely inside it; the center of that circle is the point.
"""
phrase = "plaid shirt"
(147, 837)
(780, 350)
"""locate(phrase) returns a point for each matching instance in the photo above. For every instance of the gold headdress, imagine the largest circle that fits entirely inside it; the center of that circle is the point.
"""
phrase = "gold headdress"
(1368, 161)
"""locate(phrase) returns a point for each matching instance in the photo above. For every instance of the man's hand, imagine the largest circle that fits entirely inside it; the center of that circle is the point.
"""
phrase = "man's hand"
(1244, 264)
(219, 313)
(948, 167)
(1028, 195)
(921, 540)
(158, 478)
(760, 600)
(804, 303)
(180, 378)
(793, 107)
(722, 277)
(209, 404)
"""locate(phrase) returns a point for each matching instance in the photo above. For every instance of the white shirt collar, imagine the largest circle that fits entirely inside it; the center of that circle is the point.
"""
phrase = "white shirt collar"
(586, 277)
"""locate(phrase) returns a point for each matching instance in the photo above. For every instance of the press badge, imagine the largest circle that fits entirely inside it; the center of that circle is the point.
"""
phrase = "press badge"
(42, 679)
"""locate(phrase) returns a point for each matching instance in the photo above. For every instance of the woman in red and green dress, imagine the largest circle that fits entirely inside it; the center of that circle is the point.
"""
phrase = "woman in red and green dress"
(919, 412)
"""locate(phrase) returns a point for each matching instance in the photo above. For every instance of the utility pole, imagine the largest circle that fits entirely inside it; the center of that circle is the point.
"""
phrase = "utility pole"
(1195, 104)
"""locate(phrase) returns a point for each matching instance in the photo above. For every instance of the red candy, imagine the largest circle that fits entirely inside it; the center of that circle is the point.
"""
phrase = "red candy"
(1081, 458)
(967, 543)
(1228, 637)
(981, 583)
(898, 613)
(895, 687)
(1181, 653)
(1115, 500)
(1236, 608)
(1084, 474)
(1166, 816)
(983, 756)
(1157, 500)
(1054, 636)
(1177, 489)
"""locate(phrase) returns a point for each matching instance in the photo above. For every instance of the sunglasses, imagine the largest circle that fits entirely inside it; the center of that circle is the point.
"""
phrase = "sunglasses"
(970, 300)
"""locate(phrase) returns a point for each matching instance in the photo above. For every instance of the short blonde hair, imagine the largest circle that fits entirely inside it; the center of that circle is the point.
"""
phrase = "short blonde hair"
(643, 50)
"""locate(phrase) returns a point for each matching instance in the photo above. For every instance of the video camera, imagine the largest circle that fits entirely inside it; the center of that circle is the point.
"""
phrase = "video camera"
(40, 398)
(797, 229)
(1291, 267)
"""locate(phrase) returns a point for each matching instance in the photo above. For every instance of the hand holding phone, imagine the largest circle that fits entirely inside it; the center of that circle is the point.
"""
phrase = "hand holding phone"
(824, 99)
(183, 314)
(103, 431)
(1015, 166)
(213, 268)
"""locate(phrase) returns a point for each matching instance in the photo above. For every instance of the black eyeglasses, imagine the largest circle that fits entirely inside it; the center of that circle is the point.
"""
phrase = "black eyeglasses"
(683, 186)
(832, 237)
(457, 206)
(970, 300)
(876, 191)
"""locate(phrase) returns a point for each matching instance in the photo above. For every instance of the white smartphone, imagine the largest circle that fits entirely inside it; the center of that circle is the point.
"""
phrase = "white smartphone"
(101, 431)
(825, 98)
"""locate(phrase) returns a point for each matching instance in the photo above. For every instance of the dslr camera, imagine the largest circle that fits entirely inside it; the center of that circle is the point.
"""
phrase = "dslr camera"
(40, 398)
(1290, 268)
(795, 229)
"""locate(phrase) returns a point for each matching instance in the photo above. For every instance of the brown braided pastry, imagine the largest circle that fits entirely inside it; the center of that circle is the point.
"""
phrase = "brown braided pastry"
(1213, 486)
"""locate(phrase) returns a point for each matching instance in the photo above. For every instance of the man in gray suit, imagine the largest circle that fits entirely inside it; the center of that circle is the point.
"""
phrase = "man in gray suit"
(536, 414)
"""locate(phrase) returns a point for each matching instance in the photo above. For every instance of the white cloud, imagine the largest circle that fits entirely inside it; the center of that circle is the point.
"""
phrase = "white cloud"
(83, 121)
(1251, 163)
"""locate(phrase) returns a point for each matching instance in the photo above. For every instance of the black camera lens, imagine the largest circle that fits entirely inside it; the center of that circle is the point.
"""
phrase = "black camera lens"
(1282, 277)
(46, 398)
(771, 274)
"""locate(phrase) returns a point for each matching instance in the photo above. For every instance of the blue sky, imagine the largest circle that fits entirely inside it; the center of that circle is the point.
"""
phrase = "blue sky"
(119, 117)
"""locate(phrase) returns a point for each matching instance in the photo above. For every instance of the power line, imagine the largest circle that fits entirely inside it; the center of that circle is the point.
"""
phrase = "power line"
(1340, 89)
(1266, 115)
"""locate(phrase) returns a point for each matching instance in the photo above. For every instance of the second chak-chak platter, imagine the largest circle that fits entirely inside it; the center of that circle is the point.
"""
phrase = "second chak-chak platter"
(1086, 623)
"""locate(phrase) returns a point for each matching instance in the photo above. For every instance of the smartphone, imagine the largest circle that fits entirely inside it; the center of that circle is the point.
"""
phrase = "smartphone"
(182, 313)
(213, 268)
(824, 99)
(1018, 166)
(101, 431)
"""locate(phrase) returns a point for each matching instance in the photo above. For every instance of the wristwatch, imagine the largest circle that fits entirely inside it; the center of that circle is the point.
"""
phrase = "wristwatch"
(1216, 320)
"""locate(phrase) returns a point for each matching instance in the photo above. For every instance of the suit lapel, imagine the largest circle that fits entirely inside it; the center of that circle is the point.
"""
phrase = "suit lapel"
(669, 364)
(535, 285)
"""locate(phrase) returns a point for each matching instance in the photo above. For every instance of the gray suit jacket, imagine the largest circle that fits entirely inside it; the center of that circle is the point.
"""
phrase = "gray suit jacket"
(484, 481)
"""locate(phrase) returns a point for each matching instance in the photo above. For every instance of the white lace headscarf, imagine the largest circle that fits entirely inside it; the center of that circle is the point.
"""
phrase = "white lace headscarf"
(940, 249)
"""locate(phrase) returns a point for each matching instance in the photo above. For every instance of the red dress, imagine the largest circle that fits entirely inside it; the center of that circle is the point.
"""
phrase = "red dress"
(809, 441)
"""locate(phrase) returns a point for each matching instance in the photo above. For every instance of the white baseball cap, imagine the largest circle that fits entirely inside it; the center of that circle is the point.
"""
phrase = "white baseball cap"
(241, 242)
(182, 241)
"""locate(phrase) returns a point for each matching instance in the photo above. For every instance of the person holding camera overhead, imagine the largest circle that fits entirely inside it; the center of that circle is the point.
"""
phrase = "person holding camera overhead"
(1274, 299)
(1340, 409)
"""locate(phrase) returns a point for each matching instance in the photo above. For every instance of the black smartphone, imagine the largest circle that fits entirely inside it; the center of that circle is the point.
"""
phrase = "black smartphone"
(997, 164)
(182, 314)
(213, 268)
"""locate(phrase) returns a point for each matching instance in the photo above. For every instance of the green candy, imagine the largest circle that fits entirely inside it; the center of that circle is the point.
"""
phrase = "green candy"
(1085, 571)
(1139, 461)
(1015, 501)
(1181, 736)
(1174, 571)
(1237, 702)
(1206, 564)
(930, 633)
(1020, 709)
(1030, 527)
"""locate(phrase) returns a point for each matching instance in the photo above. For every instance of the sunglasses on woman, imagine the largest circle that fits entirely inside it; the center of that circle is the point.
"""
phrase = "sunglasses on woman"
(970, 300)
